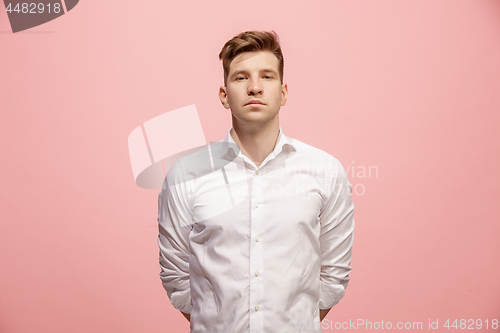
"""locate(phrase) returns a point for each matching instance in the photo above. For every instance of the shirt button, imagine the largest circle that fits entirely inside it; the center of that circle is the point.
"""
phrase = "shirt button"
(256, 308)
(256, 205)
(257, 238)
(257, 172)
(256, 273)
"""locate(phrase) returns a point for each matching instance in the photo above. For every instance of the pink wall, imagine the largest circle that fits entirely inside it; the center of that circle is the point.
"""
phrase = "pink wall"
(409, 88)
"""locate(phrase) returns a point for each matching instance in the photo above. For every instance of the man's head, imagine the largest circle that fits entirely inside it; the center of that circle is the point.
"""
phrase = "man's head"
(251, 41)
(253, 71)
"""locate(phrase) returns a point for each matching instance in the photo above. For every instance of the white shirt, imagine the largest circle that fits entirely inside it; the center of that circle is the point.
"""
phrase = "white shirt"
(255, 249)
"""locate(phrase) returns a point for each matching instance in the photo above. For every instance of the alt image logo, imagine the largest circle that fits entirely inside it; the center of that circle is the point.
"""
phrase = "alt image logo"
(25, 15)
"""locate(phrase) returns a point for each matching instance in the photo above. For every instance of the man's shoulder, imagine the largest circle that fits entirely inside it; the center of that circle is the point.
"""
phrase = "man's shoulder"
(200, 161)
(317, 156)
(312, 153)
(319, 159)
(189, 166)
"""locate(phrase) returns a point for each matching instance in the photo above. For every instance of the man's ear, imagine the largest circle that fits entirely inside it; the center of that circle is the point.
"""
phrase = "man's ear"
(223, 97)
(284, 93)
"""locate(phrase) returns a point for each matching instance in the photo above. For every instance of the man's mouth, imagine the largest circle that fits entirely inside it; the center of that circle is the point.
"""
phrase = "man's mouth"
(255, 103)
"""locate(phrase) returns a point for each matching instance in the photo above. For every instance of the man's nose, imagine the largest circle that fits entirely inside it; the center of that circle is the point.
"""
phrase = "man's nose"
(254, 87)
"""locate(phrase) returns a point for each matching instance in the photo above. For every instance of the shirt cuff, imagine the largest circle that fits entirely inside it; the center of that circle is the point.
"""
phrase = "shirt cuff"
(330, 295)
(181, 300)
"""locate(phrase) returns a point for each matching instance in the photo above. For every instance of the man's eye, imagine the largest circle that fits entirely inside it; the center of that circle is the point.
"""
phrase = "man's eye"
(239, 78)
(268, 77)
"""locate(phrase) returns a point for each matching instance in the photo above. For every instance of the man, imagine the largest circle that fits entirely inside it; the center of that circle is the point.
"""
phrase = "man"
(262, 241)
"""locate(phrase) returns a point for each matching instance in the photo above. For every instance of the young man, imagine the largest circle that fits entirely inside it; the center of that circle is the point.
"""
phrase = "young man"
(262, 241)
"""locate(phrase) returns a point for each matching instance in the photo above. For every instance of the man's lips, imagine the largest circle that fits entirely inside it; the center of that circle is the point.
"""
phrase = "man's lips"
(255, 103)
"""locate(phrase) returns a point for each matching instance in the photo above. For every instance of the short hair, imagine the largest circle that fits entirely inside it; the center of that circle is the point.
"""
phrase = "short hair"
(251, 41)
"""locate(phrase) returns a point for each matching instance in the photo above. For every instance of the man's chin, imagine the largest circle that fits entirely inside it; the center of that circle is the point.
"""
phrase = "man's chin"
(255, 118)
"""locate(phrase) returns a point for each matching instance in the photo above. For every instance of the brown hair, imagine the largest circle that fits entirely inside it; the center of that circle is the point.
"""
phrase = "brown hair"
(251, 41)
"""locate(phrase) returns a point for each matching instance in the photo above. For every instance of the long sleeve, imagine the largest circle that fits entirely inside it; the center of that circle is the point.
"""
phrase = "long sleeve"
(337, 235)
(174, 224)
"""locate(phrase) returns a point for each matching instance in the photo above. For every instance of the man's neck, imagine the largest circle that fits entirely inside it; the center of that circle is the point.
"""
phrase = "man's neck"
(256, 143)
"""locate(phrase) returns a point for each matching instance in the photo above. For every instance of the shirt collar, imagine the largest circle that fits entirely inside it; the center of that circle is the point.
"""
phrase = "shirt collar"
(229, 153)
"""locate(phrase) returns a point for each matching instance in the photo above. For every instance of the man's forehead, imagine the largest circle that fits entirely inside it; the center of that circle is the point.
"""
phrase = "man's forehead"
(266, 57)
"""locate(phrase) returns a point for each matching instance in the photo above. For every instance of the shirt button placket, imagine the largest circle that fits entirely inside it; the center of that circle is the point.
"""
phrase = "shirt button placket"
(256, 254)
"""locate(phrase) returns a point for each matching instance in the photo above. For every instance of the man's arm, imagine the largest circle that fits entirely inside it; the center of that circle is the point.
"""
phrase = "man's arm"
(174, 224)
(337, 235)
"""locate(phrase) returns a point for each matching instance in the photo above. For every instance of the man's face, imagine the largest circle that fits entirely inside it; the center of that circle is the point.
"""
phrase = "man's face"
(254, 76)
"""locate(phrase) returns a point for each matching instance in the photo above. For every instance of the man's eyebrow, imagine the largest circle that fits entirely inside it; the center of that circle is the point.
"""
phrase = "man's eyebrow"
(264, 70)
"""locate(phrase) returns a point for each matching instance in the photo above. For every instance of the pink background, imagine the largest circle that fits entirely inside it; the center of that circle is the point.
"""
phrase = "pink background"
(410, 88)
